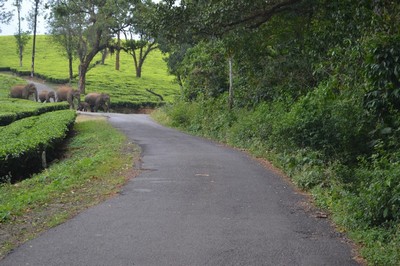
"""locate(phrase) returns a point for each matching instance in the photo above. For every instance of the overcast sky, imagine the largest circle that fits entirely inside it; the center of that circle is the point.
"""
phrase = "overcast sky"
(12, 27)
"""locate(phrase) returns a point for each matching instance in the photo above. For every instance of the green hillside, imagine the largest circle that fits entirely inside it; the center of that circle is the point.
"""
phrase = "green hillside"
(125, 89)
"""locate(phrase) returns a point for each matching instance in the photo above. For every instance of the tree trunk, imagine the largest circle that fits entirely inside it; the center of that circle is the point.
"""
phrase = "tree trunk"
(83, 68)
(139, 71)
(118, 51)
(230, 99)
(34, 38)
(19, 33)
(20, 55)
(136, 64)
(71, 72)
(103, 55)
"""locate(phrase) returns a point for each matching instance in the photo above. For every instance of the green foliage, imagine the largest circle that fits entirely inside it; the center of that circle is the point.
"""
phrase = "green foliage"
(254, 129)
(204, 71)
(23, 141)
(383, 73)
(327, 122)
(21, 40)
(14, 109)
(378, 200)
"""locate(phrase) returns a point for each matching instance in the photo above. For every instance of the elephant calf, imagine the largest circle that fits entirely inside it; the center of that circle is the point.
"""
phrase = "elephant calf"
(96, 100)
(45, 96)
(24, 91)
(83, 106)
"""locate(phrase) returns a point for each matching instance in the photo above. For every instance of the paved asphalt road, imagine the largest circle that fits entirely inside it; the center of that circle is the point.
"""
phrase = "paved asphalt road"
(195, 203)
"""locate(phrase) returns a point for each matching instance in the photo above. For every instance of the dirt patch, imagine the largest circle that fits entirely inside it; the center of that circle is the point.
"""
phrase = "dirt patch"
(85, 117)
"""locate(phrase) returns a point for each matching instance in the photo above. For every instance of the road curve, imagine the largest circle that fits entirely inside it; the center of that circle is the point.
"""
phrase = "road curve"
(195, 203)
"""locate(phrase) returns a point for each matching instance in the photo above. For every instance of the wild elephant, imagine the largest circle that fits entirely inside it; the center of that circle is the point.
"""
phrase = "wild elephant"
(68, 94)
(96, 100)
(24, 91)
(45, 96)
(83, 106)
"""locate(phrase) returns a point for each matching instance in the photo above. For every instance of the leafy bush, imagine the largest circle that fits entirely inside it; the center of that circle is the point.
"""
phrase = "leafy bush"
(23, 142)
(332, 123)
(383, 74)
(378, 200)
(14, 109)
(255, 127)
(181, 114)
(203, 70)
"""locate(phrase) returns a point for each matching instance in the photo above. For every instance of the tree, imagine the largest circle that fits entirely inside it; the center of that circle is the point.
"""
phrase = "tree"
(65, 31)
(34, 26)
(214, 18)
(138, 49)
(5, 16)
(95, 21)
(139, 35)
(21, 37)
(240, 25)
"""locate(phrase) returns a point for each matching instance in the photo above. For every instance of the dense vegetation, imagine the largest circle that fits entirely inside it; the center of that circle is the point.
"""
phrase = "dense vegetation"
(316, 89)
(125, 89)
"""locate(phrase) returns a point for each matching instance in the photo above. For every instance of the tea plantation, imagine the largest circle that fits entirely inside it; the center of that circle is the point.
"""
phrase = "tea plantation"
(28, 131)
(124, 88)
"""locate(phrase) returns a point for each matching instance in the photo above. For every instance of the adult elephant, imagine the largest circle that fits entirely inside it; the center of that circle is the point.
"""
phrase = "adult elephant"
(96, 100)
(45, 96)
(24, 91)
(68, 94)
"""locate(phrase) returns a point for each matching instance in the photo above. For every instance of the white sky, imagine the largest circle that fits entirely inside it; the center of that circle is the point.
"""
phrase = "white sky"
(12, 27)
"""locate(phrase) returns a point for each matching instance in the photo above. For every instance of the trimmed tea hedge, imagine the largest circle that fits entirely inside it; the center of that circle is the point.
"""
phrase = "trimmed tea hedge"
(23, 142)
(15, 109)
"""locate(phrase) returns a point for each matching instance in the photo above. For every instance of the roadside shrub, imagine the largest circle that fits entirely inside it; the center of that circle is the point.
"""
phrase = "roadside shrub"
(181, 114)
(378, 201)
(254, 127)
(23, 142)
(214, 117)
(325, 121)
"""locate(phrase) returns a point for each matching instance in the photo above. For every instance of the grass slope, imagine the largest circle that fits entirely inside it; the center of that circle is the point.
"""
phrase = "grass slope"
(123, 86)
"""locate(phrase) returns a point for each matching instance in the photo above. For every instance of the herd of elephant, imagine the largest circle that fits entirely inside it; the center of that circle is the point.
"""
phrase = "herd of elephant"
(93, 101)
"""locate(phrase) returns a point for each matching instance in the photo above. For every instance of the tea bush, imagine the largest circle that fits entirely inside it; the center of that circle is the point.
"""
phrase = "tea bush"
(23, 142)
(14, 109)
